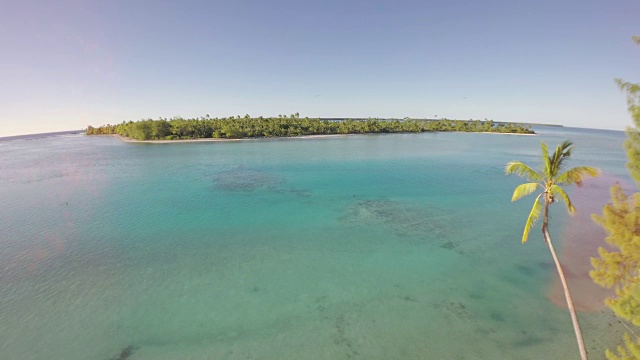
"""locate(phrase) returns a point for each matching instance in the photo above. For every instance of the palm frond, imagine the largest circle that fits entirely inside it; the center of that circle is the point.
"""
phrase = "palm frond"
(522, 170)
(546, 160)
(575, 175)
(563, 152)
(532, 219)
(557, 191)
(523, 190)
(565, 148)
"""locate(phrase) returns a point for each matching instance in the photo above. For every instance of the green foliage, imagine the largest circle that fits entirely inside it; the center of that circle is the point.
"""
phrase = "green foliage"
(547, 178)
(619, 267)
(523, 190)
(283, 126)
(632, 144)
(630, 350)
(532, 219)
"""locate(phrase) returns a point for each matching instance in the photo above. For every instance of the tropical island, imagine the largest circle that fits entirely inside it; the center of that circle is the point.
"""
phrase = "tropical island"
(178, 128)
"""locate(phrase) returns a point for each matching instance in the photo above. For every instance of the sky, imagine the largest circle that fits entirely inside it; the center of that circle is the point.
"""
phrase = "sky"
(67, 64)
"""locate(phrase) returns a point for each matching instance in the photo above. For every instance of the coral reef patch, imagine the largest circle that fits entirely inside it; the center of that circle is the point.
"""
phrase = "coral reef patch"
(246, 180)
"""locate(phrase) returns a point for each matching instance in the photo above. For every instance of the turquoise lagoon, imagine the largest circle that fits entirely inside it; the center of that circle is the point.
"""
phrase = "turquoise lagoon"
(402, 246)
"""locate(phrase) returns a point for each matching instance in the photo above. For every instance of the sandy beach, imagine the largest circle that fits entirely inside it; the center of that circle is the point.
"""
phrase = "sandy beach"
(129, 140)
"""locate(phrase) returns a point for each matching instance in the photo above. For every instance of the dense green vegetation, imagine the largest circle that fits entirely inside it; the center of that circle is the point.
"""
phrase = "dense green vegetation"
(619, 266)
(548, 183)
(287, 126)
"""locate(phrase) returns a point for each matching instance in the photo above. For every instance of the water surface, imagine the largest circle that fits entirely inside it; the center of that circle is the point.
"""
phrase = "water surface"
(402, 246)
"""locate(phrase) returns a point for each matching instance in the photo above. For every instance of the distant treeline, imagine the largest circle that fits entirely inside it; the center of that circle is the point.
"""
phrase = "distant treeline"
(287, 126)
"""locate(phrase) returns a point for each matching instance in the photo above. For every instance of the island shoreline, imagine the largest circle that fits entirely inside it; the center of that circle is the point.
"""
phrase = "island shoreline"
(319, 136)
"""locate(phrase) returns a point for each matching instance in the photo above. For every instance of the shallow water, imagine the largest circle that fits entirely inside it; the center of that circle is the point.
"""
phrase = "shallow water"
(401, 246)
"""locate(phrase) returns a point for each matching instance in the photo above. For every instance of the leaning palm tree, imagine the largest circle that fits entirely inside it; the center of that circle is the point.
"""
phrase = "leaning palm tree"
(548, 180)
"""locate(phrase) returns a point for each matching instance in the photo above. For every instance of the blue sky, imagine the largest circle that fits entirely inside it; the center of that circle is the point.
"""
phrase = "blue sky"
(70, 63)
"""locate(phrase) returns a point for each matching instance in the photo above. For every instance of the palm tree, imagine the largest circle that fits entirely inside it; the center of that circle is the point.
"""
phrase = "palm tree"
(549, 179)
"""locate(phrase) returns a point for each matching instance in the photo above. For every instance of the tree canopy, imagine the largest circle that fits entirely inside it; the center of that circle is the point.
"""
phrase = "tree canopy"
(288, 126)
(632, 144)
(619, 266)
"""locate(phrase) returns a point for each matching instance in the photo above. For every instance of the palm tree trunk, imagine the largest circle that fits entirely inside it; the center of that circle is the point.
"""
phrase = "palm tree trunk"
(567, 294)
